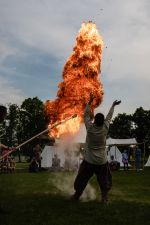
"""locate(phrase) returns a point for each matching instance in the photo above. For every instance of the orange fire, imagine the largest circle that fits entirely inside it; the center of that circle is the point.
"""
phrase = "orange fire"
(80, 77)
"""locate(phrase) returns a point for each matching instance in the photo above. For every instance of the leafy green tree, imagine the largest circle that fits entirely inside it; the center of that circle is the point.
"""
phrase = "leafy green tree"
(3, 133)
(141, 118)
(121, 126)
(10, 135)
(32, 121)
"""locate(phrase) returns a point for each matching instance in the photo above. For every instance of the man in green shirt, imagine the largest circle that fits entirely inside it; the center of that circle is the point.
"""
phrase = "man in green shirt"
(95, 156)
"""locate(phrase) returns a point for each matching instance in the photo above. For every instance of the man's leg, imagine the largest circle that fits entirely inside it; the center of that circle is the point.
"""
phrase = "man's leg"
(124, 166)
(127, 166)
(104, 179)
(39, 165)
(84, 174)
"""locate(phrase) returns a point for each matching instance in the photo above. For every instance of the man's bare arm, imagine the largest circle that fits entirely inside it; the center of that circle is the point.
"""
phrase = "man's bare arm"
(110, 113)
(87, 118)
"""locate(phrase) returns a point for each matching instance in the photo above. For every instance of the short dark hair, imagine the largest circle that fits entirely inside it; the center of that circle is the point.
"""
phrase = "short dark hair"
(99, 119)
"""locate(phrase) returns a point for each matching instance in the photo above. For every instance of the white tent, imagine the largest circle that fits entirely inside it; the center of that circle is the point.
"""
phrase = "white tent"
(148, 162)
(128, 141)
(114, 151)
(47, 155)
(61, 145)
(67, 157)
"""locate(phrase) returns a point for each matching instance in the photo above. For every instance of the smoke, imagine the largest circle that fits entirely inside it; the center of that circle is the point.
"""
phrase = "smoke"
(89, 193)
(69, 153)
(68, 150)
(64, 183)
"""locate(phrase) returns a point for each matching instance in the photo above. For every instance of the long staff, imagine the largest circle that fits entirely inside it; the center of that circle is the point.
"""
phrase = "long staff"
(37, 135)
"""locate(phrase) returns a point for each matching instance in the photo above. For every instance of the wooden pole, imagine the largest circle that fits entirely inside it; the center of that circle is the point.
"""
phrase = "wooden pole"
(42, 132)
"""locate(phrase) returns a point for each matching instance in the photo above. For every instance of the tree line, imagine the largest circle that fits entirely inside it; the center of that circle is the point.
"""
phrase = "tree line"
(23, 122)
(136, 125)
(28, 119)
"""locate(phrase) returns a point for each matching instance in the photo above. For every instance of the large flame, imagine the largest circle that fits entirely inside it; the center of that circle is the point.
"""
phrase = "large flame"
(80, 77)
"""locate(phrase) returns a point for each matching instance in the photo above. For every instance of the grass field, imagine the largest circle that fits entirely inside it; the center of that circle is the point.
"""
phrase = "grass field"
(43, 199)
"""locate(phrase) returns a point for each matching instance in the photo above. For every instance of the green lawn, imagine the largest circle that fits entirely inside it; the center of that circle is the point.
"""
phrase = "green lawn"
(43, 199)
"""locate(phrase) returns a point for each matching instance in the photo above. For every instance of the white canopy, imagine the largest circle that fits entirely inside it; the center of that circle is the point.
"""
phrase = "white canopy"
(47, 155)
(148, 162)
(114, 151)
(128, 141)
(65, 155)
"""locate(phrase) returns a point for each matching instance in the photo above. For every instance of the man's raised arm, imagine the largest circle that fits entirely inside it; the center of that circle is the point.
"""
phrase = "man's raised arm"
(87, 118)
(110, 113)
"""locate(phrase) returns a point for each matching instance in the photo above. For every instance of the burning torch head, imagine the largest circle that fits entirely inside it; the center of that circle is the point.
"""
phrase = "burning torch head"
(99, 119)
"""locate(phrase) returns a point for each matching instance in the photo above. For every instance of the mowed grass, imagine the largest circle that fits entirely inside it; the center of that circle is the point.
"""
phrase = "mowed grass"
(43, 199)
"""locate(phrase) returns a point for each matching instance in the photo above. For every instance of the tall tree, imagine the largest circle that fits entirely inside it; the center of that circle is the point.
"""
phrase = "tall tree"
(141, 118)
(121, 126)
(11, 125)
(32, 121)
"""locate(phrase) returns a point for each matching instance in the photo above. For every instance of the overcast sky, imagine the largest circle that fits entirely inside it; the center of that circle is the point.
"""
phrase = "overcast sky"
(37, 37)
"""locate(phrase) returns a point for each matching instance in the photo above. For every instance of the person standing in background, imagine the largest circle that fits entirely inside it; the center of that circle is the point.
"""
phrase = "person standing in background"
(137, 158)
(125, 159)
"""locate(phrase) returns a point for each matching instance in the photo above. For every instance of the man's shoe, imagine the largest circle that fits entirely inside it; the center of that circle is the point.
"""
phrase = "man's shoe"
(74, 198)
